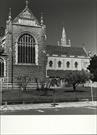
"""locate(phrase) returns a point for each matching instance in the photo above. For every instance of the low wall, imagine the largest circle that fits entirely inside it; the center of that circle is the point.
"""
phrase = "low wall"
(9, 86)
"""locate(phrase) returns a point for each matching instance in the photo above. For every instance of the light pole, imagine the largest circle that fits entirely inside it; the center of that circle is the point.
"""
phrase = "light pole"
(91, 83)
(92, 91)
(54, 101)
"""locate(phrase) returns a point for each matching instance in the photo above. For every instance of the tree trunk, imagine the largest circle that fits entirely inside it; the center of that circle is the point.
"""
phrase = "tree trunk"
(74, 87)
(36, 80)
(48, 84)
(24, 88)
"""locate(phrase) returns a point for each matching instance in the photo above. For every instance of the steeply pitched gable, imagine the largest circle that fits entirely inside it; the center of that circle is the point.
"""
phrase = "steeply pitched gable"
(25, 15)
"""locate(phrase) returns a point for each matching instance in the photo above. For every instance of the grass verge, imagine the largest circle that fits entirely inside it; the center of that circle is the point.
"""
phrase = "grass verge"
(61, 95)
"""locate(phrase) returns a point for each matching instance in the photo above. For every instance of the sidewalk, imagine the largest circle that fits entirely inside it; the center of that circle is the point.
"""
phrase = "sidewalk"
(47, 105)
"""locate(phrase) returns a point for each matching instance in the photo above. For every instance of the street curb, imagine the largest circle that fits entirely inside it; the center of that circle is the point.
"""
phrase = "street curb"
(46, 106)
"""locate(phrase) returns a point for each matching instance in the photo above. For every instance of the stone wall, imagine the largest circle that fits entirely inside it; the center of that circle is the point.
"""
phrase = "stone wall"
(37, 71)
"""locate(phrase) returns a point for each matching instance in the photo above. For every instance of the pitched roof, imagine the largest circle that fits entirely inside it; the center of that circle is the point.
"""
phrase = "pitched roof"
(26, 14)
(56, 73)
(68, 51)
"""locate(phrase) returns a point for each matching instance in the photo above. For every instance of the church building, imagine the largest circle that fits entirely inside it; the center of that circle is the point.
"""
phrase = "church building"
(26, 52)
(65, 57)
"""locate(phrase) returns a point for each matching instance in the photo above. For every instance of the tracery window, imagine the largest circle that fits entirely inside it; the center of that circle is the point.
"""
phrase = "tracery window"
(1, 68)
(26, 49)
(50, 63)
(68, 64)
(59, 64)
(76, 64)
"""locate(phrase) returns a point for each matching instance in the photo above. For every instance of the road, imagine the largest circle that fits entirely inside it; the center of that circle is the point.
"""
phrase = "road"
(55, 111)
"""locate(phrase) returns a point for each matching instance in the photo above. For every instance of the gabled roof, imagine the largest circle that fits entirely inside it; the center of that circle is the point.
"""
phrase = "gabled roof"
(27, 15)
(68, 51)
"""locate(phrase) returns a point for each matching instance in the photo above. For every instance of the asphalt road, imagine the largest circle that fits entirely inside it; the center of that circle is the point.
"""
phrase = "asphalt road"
(56, 111)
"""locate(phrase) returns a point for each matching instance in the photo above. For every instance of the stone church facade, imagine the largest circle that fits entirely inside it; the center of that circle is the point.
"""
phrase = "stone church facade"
(24, 45)
(26, 53)
(65, 57)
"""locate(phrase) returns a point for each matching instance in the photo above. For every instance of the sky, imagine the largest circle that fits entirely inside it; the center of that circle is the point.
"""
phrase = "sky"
(79, 17)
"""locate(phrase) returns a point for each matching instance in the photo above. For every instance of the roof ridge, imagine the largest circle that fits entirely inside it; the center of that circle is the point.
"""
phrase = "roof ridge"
(32, 17)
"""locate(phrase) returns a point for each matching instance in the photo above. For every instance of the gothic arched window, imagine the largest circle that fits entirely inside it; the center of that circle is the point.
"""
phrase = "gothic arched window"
(68, 64)
(26, 49)
(59, 64)
(1, 68)
(76, 64)
(50, 63)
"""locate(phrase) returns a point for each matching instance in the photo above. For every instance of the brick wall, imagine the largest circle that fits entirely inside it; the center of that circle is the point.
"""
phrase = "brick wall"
(38, 71)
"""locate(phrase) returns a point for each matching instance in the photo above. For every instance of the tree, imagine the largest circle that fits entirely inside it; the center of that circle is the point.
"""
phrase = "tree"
(36, 81)
(76, 77)
(45, 85)
(23, 81)
(93, 67)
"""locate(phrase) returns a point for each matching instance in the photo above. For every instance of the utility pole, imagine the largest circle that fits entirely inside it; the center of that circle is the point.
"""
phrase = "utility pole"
(92, 91)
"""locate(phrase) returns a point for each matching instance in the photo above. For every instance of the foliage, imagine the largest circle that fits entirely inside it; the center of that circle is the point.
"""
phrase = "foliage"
(76, 77)
(54, 82)
(23, 81)
(45, 85)
(93, 67)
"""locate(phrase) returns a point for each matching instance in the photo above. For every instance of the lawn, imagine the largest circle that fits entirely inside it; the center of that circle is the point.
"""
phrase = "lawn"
(61, 95)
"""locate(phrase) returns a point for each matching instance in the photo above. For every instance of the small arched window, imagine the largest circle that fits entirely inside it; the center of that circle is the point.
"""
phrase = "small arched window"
(26, 49)
(50, 63)
(68, 64)
(76, 64)
(59, 64)
(1, 68)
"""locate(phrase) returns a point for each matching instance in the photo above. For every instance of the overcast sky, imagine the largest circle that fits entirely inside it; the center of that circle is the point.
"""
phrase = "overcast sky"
(77, 16)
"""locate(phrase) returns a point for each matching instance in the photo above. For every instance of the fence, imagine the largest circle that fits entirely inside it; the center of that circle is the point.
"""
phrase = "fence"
(15, 86)
(31, 85)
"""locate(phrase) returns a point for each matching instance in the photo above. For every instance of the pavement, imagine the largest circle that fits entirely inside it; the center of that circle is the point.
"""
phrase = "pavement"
(17, 107)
